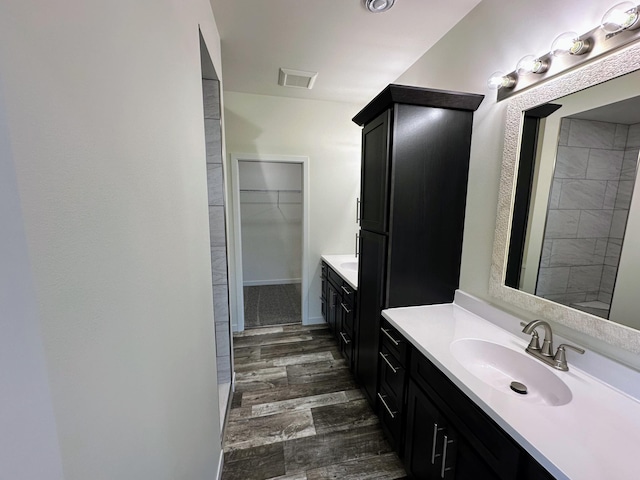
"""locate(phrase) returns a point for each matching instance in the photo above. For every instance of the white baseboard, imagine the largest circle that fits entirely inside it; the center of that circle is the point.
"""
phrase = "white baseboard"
(314, 321)
(281, 281)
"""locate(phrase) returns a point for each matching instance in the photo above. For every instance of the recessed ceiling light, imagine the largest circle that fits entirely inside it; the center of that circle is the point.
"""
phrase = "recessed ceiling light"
(378, 6)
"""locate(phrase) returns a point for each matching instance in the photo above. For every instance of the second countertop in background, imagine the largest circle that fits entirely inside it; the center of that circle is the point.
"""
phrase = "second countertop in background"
(344, 265)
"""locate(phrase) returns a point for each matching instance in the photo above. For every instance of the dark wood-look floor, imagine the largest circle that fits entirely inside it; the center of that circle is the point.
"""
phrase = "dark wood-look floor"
(297, 413)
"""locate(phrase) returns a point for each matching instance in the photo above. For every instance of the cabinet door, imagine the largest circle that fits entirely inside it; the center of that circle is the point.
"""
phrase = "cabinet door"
(332, 301)
(374, 189)
(370, 300)
(434, 450)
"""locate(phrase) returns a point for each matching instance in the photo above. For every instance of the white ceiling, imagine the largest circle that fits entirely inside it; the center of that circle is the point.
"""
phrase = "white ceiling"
(356, 53)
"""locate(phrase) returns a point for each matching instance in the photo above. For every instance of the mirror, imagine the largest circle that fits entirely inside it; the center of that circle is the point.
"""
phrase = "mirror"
(566, 211)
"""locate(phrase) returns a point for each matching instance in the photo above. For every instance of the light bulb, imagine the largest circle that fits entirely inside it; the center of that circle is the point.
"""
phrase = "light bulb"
(530, 64)
(620, 17)
(499, 80)
(569, 43)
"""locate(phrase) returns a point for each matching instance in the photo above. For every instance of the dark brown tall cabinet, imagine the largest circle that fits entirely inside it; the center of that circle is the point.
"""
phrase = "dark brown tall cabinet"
(415, 159)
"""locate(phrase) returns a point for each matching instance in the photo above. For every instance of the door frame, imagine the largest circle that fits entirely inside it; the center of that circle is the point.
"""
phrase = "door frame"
(237, 233)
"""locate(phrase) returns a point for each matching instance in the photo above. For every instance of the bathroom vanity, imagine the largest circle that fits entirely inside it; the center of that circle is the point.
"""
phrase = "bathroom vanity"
(452, 413)
(339, 275)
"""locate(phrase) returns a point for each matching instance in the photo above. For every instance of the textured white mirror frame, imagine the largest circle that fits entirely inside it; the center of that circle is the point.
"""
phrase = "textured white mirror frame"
(611, 66)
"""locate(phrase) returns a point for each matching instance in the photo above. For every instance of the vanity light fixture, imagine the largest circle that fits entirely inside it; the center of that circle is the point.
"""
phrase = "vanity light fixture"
(623, 16)
(620, 27)
(499, 80)
(569, 43)
(378, 6)
(531, 64)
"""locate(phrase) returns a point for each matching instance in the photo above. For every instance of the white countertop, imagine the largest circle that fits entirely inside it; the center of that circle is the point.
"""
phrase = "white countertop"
(336, 261)
(594, 436)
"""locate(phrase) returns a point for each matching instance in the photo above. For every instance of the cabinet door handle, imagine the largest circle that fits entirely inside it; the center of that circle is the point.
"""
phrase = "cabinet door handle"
(345, 339)
(346, 290)
(444, 467)
(344, 307)
(386, 332)
(357, 243)
(393, 414)
(358, 211)
(436, 429)
(384, 357)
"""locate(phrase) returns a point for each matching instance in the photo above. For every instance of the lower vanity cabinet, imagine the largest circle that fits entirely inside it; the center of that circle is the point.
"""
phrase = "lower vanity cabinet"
(447, 436)
(339, 311)
(434, 449)
(392, 385)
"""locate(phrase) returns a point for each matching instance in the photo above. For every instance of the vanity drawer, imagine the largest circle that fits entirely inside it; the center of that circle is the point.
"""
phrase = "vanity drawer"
(392, 375)
(393, 341)
(495, 446)
(391, 418)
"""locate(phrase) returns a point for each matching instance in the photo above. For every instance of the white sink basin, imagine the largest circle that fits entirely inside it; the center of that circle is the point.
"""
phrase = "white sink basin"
(353, 266)
(498, 366)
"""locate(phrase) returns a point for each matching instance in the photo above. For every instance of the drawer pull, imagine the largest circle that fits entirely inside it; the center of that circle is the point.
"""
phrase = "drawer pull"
(344, 307)
(393, 414)
(345, 339)
(384, 357)
(444, 457)
(386, 332)
(436, 429)
(346, 290)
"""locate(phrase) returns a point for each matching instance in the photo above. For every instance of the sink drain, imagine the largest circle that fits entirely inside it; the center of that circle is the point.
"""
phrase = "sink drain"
(518, 387)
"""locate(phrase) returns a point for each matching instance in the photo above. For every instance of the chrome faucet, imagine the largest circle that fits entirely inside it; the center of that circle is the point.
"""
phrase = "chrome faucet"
(545, 353)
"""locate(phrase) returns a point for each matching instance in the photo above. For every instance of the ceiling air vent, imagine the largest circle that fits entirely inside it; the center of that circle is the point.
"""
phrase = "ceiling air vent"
(296, 78)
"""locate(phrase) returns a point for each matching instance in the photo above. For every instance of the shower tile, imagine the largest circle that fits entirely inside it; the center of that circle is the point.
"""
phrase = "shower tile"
(625, 190)
(554, 196)
(221, 303)
(213, 138)
(211, 97)
(223, 343)
(219, 265)
(610, 195)
(562, 223)
(619, 223)
(604, 164)
(569, 252)
(214, 184)
(612, 256)
(630, 164)
(563, 136)
(546, 253)
(595, 223)
(571, 162)
(552, 280)
(620, 139)
(582, 194)
(216, 226)
(633, 140)
(605, 297)
(587, 133)
(608, 279)
(585, 279)
(567, 298)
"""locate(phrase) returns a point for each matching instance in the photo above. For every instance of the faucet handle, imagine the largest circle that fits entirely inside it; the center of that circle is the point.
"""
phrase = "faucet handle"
(534, 344)
(560, 358)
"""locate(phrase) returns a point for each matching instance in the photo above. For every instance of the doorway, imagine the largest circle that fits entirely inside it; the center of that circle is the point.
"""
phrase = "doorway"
(270, 219)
